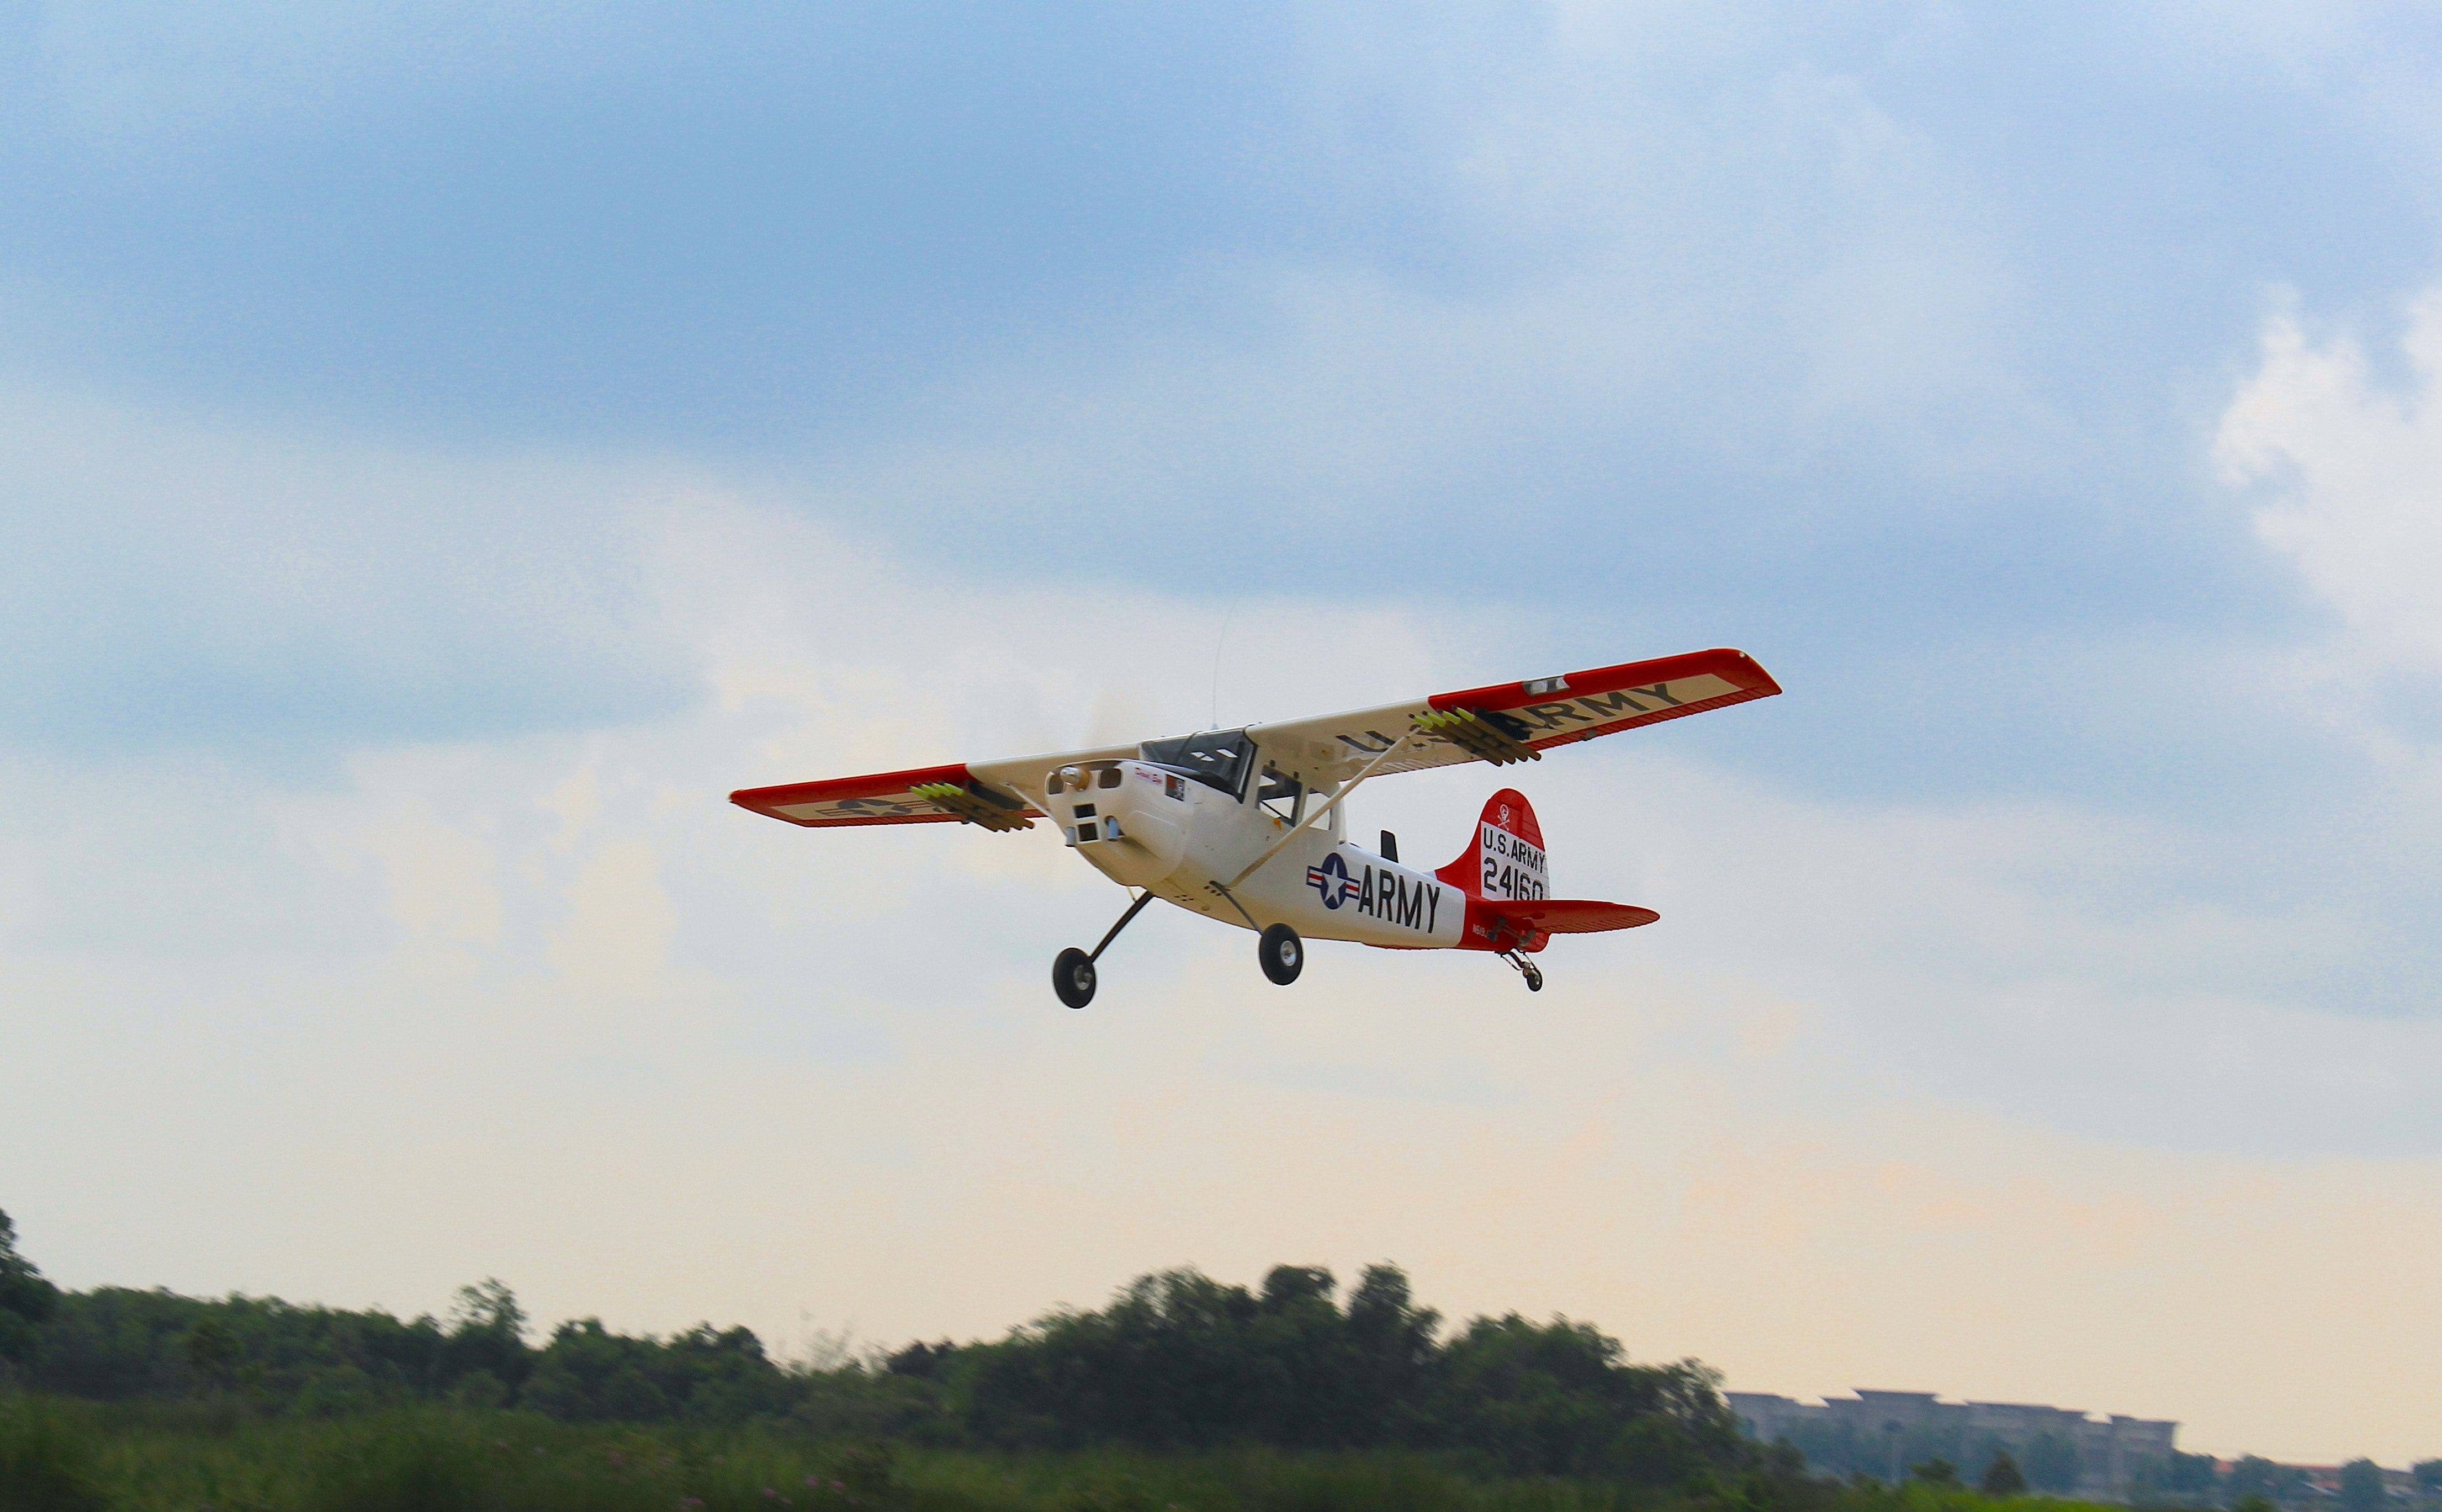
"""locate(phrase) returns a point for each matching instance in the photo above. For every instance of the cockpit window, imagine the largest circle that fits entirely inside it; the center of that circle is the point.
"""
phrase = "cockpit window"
(1284, 796)
(1217, 759)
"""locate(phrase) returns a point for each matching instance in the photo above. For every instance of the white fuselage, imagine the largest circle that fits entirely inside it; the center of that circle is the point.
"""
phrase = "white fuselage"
(1147, 825)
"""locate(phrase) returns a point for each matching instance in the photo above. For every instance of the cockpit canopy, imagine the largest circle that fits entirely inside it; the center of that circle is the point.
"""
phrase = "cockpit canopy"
(1217, 759)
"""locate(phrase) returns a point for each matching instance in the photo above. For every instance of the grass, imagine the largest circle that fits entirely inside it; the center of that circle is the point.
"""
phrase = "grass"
(77, 1457)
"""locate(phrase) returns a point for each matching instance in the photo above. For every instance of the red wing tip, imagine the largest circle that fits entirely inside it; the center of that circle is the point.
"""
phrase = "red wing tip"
(1765, 685)
(871, 785)
(1727, 662)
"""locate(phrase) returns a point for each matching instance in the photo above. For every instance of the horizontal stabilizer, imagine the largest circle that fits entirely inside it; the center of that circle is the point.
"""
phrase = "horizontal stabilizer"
(1574, 915)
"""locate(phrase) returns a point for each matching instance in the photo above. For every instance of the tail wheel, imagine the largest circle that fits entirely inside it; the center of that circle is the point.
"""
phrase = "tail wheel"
(1072, 977)
(1533, 977)
(1281, 952)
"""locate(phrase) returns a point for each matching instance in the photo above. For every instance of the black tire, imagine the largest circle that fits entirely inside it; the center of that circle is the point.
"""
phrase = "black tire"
(1534, 980)
(1072, 977)
(1281, 952)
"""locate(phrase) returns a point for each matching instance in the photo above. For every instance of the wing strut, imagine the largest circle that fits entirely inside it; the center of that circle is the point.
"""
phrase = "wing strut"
(1307, 823)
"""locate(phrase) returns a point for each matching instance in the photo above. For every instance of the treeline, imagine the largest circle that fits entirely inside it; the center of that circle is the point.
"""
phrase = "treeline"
(1177, 1361)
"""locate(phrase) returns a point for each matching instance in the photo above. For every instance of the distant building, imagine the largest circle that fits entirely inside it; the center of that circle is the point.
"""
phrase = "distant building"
(2325, 1481)
(1882, 1433)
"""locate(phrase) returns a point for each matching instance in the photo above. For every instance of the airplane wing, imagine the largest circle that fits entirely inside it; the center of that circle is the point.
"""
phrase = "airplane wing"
(1512, 721)
(994, 795)
(1507, 723)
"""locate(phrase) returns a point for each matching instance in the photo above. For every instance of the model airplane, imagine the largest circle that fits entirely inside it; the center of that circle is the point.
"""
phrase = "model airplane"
(1248, 825)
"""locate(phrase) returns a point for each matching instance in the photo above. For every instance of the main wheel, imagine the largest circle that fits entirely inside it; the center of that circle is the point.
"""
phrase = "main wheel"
(1072, 977)
(1281, 952)
(1533, 977)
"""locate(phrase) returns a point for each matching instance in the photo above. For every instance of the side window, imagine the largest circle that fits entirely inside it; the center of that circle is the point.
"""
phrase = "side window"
(1281, 798)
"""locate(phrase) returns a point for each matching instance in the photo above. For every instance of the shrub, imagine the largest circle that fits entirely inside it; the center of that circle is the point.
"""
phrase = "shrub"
(399, 1463)
(46, 1462)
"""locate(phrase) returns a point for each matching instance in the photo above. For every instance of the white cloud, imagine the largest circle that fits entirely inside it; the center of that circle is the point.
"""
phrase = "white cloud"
(2355, 469)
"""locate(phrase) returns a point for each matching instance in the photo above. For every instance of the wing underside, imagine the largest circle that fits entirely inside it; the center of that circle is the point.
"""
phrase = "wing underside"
(995, 795)
(1500, 724)
(1512, 721)
(947, 794)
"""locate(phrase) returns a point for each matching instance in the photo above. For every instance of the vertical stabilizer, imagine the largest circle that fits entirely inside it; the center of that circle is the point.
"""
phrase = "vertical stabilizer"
(1507, 861)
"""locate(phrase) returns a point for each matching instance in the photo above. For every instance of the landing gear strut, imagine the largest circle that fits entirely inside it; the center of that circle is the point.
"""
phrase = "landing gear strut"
(1527, 968)
(1072, 970)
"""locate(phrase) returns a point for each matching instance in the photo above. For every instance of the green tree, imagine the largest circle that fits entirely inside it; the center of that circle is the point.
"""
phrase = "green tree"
(486, 1337)
(1179, 1360)
(2428, 1476)
(1393, 1352)
(27, 1301)
(488, 1307)
(591, 1375)
(1288, 1286)
(2003, 1477)
(1937, 1471)
(2361, 1488)
(213, 1353)
(921, 1359)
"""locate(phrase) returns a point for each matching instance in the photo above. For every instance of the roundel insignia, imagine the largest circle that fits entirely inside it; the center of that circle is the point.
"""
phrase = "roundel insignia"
(1332, 881)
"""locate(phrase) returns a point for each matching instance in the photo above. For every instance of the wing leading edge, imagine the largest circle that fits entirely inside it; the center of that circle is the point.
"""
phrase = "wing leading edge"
(995, 795)
(917, 796)
(1502, 723)
(1514, 721)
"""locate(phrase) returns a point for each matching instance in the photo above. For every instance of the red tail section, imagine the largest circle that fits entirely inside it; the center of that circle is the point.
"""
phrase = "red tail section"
(1506, 860)
(1511, 904)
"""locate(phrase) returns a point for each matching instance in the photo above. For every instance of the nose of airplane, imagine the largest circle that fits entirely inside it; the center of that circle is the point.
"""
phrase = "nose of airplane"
(1127, 817)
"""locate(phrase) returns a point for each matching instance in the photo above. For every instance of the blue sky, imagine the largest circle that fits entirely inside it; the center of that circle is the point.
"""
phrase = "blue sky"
(1910, 317)
(447, 449)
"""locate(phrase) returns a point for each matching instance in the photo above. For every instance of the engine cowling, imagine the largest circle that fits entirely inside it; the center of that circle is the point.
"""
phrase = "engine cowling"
(1129, 818)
